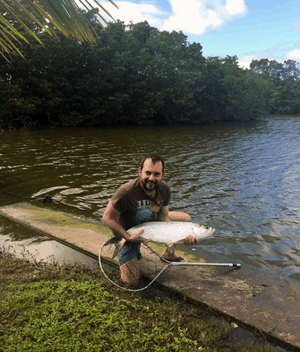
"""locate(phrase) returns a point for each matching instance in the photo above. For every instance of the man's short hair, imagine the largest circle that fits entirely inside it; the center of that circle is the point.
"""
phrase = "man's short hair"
(155, 158)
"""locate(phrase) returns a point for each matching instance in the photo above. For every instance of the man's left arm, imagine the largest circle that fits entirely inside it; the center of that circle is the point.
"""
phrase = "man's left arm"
(163, 214)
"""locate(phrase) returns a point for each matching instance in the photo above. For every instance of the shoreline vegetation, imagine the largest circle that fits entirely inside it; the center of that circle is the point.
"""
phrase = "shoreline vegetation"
(136, 75)
(47, 307)
(43, 128)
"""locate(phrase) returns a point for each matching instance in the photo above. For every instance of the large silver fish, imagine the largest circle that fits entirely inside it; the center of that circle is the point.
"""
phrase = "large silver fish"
(167, 232)
(171, 232)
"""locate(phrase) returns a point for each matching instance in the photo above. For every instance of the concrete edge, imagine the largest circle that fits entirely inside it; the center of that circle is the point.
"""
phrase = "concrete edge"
(184, 296)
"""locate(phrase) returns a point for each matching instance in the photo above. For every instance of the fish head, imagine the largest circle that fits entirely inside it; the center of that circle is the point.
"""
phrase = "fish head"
(202, 231)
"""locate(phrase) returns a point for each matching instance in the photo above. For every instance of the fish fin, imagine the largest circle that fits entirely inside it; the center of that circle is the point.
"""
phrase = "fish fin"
(118, 247)
(170, 247)
(169, 244)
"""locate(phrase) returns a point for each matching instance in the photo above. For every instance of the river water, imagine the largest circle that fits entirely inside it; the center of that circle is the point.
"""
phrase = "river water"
(240, 178)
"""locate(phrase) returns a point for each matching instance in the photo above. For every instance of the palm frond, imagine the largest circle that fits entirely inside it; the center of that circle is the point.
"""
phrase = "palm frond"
(7, 45)
(62, 14)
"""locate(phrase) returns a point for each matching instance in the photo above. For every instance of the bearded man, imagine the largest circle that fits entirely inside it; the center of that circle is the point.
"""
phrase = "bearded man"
(144, 199)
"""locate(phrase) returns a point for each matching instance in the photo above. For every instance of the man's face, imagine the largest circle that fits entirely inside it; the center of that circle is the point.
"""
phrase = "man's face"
(151, 175)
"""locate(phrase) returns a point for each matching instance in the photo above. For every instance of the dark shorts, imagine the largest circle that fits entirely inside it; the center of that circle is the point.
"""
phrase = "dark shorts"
(129, 251)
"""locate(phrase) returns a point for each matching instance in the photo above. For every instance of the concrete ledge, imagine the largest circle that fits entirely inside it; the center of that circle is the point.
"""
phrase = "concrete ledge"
(269, 304)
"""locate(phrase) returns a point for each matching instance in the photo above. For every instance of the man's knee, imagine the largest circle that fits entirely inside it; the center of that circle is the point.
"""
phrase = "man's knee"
(129, 282)
(179, 216)
(130, 273)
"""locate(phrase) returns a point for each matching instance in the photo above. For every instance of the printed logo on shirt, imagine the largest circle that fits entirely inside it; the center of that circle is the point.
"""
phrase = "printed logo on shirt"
(147, 211)
(143, 203)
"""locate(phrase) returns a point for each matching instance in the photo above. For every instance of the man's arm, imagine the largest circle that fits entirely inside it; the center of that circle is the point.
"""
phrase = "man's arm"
(111, 219)
(163, 214)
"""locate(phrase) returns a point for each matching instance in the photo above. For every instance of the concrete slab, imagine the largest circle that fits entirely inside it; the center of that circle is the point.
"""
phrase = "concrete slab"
(257, 300)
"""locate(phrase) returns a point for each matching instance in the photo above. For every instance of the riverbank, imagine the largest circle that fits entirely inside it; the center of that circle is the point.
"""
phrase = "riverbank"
(73, 308)
(249, 299)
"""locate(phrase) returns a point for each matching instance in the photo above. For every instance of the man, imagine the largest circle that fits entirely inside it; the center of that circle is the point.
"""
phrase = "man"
(143, 199)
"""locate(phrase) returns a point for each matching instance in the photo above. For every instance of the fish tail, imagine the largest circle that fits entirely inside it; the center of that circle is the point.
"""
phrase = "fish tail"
(118, 247)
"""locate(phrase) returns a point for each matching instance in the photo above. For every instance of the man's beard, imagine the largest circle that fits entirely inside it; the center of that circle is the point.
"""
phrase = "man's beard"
(146, 183)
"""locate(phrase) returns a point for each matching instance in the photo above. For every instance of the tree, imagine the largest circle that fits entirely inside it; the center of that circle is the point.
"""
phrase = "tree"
(271, 70)
(63, 15)
(133, 74)
(168, 69)
(286, 84)
(231, 93)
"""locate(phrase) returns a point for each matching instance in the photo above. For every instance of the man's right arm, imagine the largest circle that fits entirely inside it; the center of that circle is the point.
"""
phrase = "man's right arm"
(111, 219)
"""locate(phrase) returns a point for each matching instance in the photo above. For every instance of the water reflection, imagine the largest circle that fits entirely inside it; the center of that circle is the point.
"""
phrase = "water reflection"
(242, 179)
(27, 244)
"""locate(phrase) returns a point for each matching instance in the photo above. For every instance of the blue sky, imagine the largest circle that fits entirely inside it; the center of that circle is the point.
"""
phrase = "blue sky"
(250, 29)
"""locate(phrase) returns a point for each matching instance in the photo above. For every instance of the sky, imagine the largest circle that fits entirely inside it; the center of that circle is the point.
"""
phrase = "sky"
(249, 29)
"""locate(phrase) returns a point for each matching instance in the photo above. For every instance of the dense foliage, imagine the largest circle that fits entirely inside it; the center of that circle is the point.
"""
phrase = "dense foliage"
(134, 74)
(285, 79)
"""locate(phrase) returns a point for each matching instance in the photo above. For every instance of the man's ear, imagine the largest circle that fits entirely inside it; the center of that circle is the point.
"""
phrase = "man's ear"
(140, 171)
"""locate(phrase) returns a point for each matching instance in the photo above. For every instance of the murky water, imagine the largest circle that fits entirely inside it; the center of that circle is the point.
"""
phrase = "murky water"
(240, 178)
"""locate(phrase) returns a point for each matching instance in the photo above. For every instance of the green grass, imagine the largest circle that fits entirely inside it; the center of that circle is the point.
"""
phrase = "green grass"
(73, 308)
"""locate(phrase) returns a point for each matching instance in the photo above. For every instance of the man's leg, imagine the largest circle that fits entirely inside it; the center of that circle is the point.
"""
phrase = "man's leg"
(129, 267)
(130, 273)
(179, 216)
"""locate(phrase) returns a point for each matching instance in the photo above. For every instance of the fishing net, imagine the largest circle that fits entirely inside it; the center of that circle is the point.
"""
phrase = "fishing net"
(150, 264)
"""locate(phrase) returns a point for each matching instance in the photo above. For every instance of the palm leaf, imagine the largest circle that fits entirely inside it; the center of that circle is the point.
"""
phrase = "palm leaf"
(7, 45)
(62, 14)
(10, 11)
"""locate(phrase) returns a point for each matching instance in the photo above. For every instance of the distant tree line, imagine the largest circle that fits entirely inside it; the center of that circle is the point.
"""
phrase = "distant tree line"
(285, 84)
(136, 74)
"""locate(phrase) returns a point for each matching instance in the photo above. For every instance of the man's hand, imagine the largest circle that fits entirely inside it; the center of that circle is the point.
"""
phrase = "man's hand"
(190, 240)
(135, 238)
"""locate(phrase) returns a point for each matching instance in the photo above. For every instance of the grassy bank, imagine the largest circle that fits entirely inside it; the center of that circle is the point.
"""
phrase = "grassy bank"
(73, 308)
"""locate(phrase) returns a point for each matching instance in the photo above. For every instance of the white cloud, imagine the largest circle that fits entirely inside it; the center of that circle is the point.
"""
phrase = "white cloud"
(236, 7)
(138, 12)
(295, 25)
(199, 16)
(190, 16)
(280, 53)
(245, 61)
(134, 12)
(293, 55)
